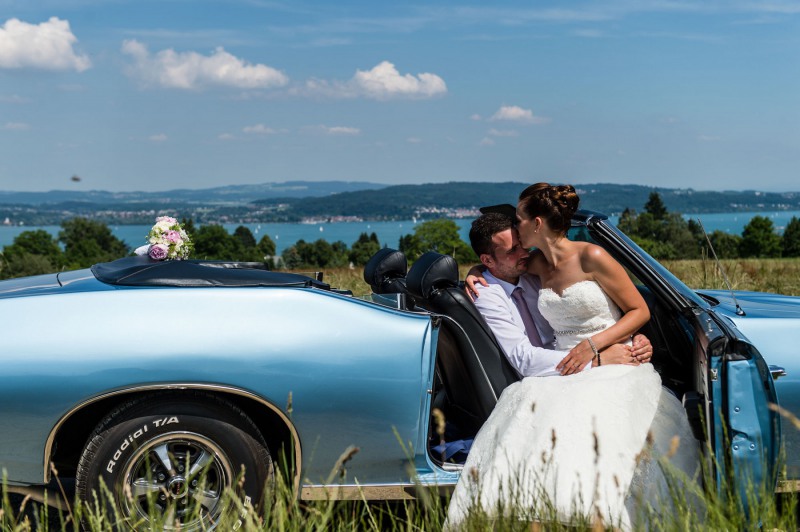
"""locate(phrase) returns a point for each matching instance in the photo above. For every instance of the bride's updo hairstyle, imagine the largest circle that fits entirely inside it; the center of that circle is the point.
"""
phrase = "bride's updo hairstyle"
(554, 203)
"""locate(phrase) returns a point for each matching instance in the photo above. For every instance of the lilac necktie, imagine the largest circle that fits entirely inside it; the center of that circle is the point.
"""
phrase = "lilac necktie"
(527, 318)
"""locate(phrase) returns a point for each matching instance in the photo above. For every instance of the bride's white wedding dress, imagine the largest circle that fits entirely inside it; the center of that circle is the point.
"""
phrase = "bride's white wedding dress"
(564, 446)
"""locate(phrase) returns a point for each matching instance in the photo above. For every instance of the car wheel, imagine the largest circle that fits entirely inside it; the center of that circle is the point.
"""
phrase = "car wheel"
(167, 462)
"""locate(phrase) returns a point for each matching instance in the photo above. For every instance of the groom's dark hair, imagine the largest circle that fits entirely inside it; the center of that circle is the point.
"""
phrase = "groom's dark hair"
(484, 228)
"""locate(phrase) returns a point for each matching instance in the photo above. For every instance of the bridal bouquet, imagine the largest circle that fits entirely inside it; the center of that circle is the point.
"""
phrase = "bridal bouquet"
(167, 240)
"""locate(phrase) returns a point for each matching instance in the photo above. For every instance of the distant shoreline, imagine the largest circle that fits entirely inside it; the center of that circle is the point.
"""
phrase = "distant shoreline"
(388, 232)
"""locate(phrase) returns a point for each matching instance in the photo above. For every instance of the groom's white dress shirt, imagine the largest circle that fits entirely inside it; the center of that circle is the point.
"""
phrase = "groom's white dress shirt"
(502, 316)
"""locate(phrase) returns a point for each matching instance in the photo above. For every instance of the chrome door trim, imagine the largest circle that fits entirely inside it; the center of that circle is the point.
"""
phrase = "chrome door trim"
(375, 492)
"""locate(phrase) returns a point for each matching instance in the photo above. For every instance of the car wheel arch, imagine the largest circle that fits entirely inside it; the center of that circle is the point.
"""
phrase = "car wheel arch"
(69, 436)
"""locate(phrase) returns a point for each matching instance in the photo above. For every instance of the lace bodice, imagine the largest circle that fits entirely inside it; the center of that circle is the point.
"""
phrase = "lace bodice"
(583, 309)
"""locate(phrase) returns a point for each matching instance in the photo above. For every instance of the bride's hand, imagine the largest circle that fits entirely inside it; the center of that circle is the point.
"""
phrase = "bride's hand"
(576, 359)
(642, 348)
(475, 275)
(618, 354)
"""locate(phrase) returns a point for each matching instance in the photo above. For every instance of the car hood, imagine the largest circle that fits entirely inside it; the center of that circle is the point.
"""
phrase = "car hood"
(755, 304)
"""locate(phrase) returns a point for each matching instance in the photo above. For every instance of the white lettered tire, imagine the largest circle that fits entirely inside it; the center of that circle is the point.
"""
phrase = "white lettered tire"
(167, 460)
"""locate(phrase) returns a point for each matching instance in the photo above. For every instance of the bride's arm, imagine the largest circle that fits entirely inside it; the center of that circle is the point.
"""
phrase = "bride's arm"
(614, 281)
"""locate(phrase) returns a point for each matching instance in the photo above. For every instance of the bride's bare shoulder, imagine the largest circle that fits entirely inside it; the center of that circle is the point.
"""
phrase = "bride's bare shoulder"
(592, 255)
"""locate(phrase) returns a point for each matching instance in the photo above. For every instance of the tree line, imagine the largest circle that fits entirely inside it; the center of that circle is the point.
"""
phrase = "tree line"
(668, 235)
(82, 242)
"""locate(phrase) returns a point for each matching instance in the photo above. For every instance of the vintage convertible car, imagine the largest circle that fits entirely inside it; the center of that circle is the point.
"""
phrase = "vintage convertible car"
(150, 375)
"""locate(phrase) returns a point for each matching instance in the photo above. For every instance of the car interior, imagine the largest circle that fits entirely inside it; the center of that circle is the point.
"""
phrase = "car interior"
(471, 368)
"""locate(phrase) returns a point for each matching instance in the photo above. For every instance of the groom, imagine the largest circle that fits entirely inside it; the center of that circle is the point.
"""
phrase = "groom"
(509, 302)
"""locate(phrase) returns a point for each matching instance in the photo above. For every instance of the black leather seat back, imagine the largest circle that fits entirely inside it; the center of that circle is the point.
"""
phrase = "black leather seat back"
(476, 372)
(385, 272)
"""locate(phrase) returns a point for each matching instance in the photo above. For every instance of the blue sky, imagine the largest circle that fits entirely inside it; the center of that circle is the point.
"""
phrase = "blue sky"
(155, 95)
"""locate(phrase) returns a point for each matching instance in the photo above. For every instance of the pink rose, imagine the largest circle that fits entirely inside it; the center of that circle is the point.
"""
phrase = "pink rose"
(173, 236)
(158, 252)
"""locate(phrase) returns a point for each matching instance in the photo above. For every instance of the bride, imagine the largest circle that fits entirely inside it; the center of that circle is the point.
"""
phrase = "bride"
(560, 447)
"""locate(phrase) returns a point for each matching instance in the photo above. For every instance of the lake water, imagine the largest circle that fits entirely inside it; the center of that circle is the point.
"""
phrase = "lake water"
(389, 233)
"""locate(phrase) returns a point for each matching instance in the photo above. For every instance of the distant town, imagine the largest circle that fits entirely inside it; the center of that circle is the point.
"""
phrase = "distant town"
(336, 201)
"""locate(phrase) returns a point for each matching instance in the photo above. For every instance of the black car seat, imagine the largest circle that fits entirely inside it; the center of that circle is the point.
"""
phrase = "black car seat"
(472, 366)
(385, 272)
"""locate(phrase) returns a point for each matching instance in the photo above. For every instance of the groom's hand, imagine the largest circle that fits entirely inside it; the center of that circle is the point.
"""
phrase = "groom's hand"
(577, 359)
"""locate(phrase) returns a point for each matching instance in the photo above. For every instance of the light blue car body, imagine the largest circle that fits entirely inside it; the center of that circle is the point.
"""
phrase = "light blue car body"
(334, 370)
(352, 372)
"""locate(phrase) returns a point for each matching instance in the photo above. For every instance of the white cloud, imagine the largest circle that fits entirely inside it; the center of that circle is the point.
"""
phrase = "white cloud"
(486, 141)
(47, 46)
(341, 130)
(475, 117)
(414, 140)
(382, 82)
(503, 133)
(159, 137)
(514, 113)
(190, 70)
(225, 136)
(333, 130)
(708, 138)
(18, 126)
(259, 129)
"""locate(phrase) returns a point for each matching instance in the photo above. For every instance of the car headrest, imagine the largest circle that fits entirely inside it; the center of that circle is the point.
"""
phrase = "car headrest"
(385, 272)
(432, 271)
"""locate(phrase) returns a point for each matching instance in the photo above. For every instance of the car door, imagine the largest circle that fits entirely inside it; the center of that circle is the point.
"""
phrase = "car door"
(744, 432)
(732, 383)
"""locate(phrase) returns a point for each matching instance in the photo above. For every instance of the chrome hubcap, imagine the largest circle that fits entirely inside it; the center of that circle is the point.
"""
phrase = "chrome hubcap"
(181, 476)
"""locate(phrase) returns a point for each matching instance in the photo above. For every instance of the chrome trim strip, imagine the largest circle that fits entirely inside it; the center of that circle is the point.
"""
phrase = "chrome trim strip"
(787, 486)
(177, 386)
(378, 492)
(40, 494)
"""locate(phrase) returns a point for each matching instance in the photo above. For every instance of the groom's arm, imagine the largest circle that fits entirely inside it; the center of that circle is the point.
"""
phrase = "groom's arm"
(528, 360)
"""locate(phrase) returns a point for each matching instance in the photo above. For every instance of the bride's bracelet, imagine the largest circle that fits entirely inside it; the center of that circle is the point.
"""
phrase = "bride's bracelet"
(594, 350)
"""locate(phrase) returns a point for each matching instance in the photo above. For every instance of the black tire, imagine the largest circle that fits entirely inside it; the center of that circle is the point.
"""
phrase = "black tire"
(173, 457)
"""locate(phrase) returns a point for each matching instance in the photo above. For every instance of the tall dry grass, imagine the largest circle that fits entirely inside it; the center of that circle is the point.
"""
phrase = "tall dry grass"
(778, 276)
(686, 505)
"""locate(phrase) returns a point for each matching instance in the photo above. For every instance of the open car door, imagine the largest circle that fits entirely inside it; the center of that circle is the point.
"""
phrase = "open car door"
(744, 433)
